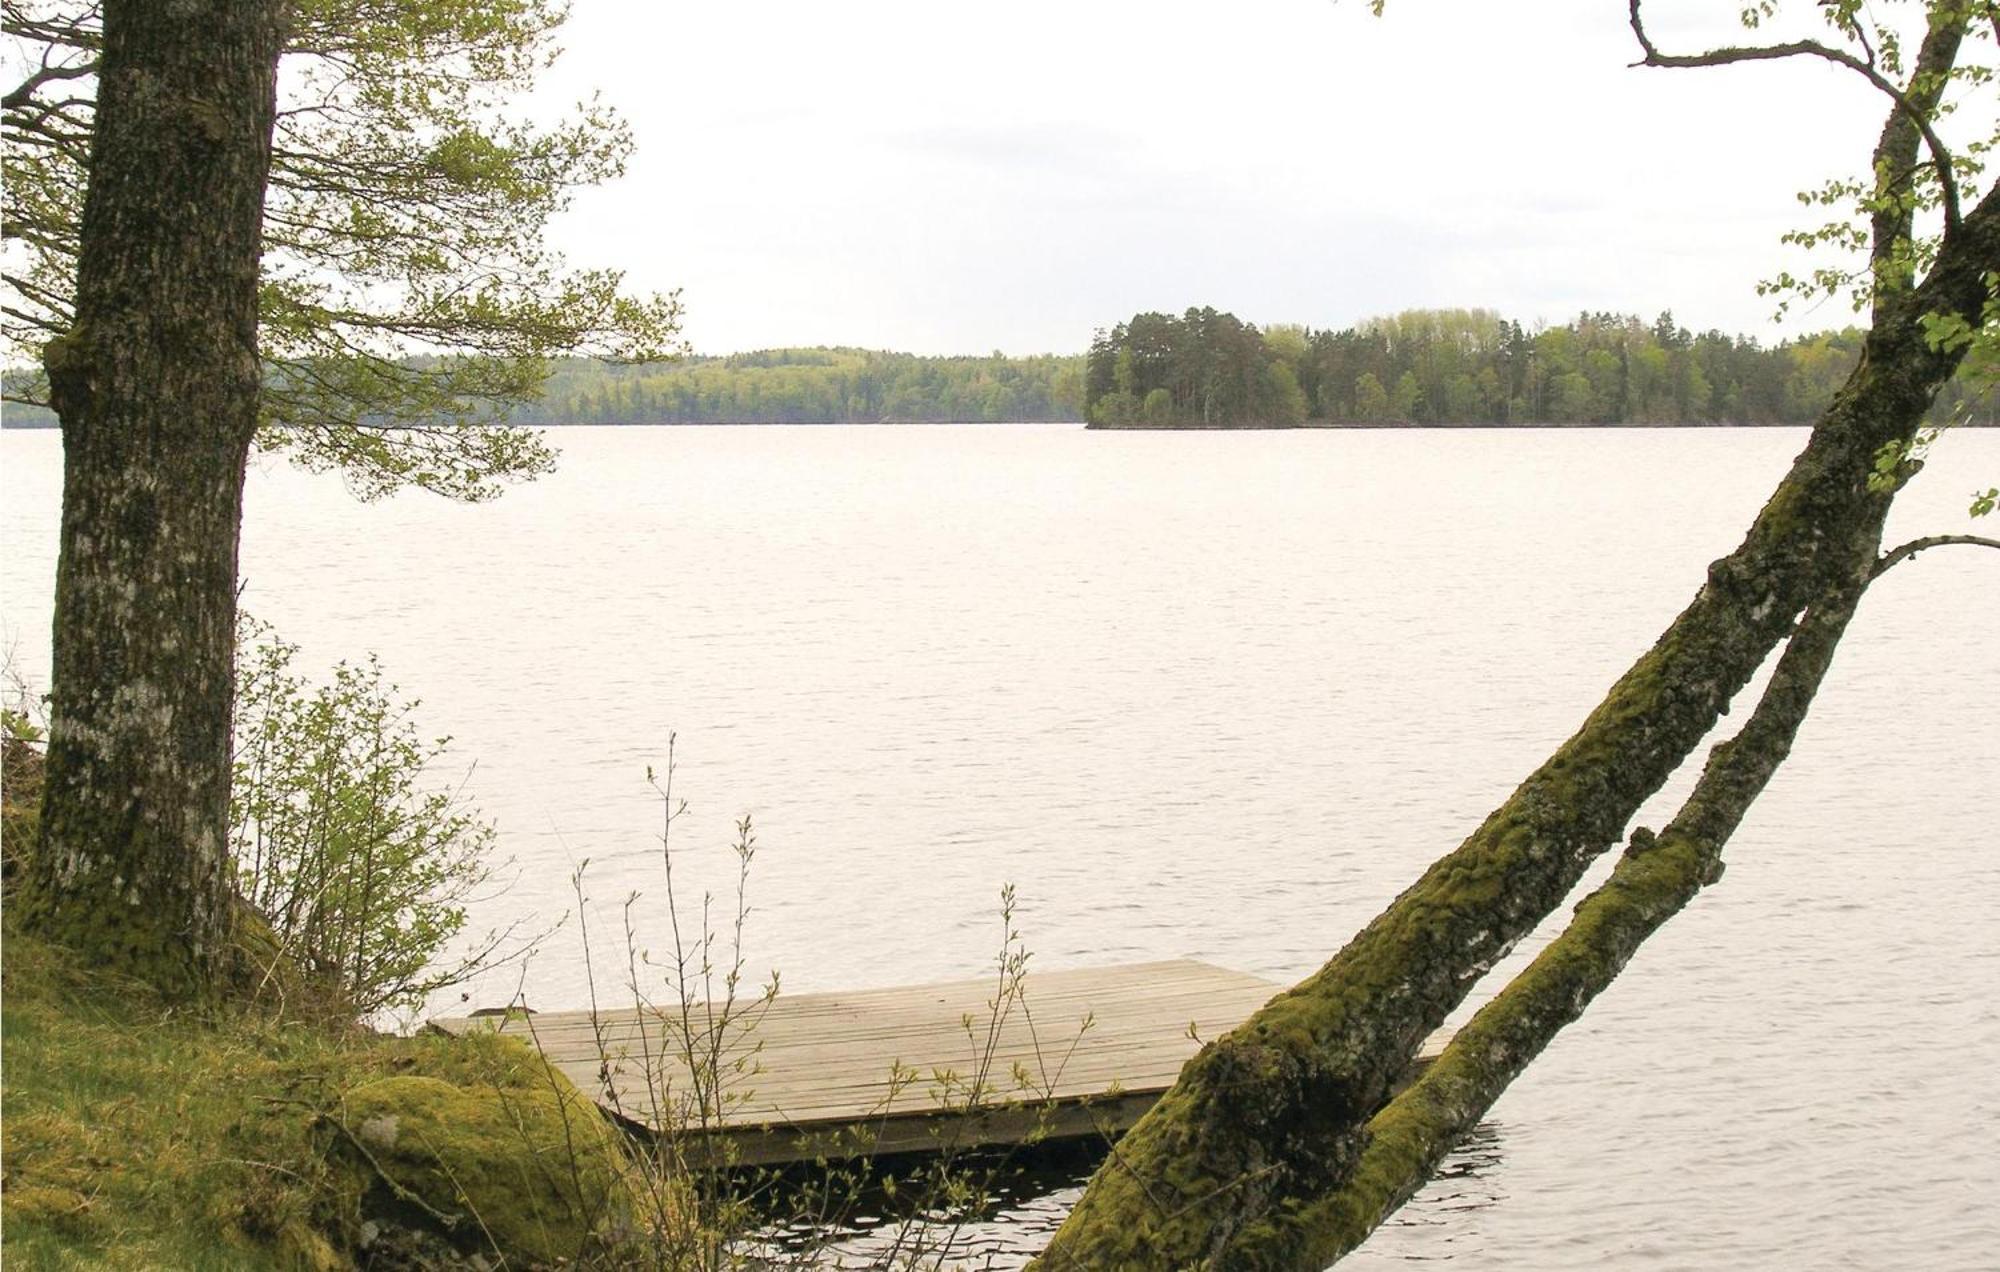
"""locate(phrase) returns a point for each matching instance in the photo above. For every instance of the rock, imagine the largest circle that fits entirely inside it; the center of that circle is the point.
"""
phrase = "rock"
(535, 1174)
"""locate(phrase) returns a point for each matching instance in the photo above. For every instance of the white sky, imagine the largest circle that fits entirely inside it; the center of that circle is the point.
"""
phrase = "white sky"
(949, 177)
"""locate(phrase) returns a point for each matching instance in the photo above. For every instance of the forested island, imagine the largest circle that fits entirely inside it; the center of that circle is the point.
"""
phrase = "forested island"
(1441, 367)
(1210, 369)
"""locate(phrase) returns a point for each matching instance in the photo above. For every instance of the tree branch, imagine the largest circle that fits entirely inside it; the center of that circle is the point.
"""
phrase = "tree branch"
(1654, 879)
(1897, 556)
(25, 91)
(1940, 156)
(34, 320)
(78, 31)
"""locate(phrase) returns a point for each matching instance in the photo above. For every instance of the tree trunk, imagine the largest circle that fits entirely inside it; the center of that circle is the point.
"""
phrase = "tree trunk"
(1654, 879)
(157, 387)
(1241, 1164)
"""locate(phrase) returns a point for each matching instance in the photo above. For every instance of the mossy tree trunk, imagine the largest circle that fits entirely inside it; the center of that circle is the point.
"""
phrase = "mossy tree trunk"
(157, 387)
(1263, 1154)
(1655, 877)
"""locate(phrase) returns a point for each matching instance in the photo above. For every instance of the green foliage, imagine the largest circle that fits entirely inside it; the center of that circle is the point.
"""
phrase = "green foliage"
(1472, 366)
(360, 869)
(771, 386)
(1371, 400)
(1886, 229)
(1466, 367)
(1980, 368)
(1849, 255)
(1214, 370)
(405, 212)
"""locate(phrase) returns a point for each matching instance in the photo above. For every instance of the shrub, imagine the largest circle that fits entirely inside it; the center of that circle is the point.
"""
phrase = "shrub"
(358, 864)
(22, 739)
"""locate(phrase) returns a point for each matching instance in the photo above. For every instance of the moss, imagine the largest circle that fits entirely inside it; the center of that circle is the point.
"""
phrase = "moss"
(44, 1203)
(68, 357)
(95, 912)
(535, 1172)
(1275, 1111)
(138, 1133)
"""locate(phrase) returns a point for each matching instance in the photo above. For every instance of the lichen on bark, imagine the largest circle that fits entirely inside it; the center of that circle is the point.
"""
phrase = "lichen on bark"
(156, 385)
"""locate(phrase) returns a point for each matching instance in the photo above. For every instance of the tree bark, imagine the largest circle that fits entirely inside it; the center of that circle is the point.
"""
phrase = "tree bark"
(1242, 1163)
(1654, 880)
(157, 387)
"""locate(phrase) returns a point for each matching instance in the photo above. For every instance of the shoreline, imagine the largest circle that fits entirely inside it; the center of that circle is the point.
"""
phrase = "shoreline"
(40, 427)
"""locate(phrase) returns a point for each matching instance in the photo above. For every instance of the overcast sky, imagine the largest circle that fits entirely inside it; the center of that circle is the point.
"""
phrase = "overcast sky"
(950, 177)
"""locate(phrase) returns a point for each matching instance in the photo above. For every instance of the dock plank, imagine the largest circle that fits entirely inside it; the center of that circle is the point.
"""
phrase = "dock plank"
(815, 1073)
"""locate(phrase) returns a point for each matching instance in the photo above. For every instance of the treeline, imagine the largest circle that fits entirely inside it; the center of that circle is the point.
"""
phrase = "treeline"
(781, 386)
(1460, 366)
(814, 386)
(1207, 369)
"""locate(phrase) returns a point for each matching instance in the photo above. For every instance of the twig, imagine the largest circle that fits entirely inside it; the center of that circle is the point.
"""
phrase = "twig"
(1947, 183)
(401, 1193)
(1898, 555)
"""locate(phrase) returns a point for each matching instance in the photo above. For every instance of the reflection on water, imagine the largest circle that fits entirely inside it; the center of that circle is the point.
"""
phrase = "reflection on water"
(1438, 1224)
(1019, 1197)
(1025, 1194)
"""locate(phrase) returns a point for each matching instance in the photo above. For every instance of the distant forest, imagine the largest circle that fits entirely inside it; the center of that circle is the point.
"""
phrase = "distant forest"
(789, 386)
(815, 386)
(1206, 369)
(1210, 369)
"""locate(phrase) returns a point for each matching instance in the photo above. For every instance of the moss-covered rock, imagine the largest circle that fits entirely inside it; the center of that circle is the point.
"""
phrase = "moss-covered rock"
(138, 1134)
(531, 1172)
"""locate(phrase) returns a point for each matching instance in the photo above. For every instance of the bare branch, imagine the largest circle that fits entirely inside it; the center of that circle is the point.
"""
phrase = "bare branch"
(1940, 156)
(1896, 556)
(79, 31)
(33, 320)
(39, 294)
(25, 91)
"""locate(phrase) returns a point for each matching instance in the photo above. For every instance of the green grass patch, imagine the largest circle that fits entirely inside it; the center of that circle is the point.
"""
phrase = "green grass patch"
(141, 1135)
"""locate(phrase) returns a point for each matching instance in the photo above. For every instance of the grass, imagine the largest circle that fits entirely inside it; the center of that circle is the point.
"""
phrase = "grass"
(137, 1135)
(132, 1135)
(274, 1132)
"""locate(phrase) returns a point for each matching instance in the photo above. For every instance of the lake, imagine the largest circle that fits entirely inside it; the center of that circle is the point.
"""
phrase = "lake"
(1217, 695)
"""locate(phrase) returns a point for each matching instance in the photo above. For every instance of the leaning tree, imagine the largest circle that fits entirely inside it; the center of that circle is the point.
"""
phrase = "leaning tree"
(1286, 1142)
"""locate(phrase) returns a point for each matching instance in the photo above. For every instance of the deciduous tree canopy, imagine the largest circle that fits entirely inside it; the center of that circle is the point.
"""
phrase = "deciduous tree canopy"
(813, 386)
(1471, 366)
(405, 212)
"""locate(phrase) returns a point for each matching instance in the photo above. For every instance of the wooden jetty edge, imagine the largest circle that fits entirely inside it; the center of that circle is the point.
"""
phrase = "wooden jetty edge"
(892, 1070)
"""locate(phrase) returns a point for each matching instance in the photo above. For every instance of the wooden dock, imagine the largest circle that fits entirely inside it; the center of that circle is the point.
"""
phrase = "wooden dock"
(900, 1070)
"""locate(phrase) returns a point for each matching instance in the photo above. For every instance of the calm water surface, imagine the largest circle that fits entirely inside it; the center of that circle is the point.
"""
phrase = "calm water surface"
(1221, 696)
